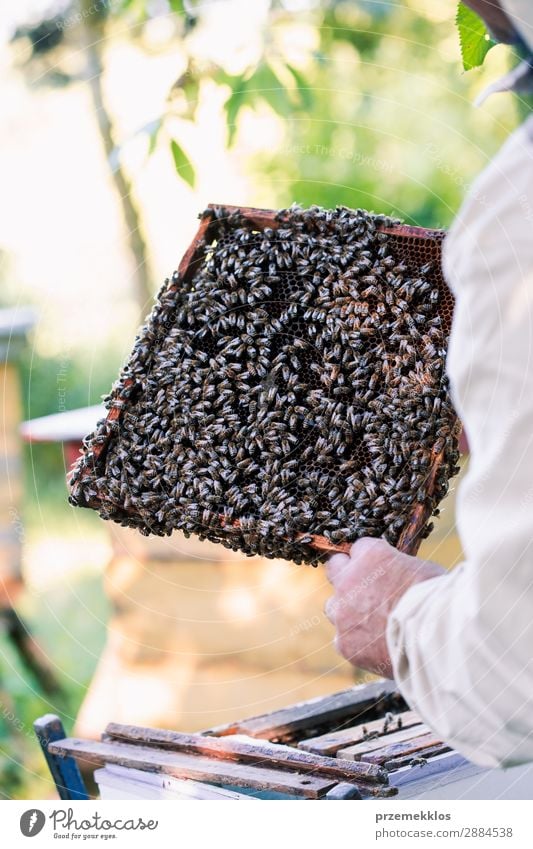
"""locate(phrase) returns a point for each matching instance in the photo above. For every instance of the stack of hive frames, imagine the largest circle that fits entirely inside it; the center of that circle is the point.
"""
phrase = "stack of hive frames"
(353, 317)
(361, 743)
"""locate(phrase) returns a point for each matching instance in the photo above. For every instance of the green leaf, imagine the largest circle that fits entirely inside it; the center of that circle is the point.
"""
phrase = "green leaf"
(264, 83)
(473, 36)
(221, 77)
(234, 104)
(136, 7)
(177, 6)
(183, 164)
(187, 87)
(191, 90)
(304, 90)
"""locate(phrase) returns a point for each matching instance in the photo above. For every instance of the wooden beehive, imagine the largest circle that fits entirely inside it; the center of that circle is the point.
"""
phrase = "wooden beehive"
(361, 743)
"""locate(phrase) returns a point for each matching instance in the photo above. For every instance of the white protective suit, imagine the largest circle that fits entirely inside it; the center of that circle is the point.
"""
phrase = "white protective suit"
(462, 645)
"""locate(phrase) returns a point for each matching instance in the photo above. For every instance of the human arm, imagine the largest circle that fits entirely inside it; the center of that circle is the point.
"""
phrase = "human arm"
(460, 644)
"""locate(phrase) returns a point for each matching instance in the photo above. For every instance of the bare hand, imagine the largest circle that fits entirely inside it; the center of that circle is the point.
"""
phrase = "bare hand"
(368, 583)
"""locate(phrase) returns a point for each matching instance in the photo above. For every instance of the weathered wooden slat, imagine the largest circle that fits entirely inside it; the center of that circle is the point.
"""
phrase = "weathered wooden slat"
(313, 713)
(330, 743)
(409, 747)
(411, 759)
(441, 768)
(366, 747)
(196, 767)
(260, 753)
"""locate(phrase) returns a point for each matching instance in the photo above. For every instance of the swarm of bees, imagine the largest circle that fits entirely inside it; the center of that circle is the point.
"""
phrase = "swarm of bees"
(294, 384)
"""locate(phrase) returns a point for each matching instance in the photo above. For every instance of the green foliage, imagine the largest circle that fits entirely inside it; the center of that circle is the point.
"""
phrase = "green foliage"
(74, 642)
(264, 84)
(473, 36)
(20, 704)
(305, 91)
(177, 6)
(51, 385)
(188, 87)
(137, 8)
(234, 104)
(395, 133)
(182, 163)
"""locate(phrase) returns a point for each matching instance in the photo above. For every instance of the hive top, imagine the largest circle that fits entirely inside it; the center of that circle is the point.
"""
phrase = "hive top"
(70, 426)
(15, 323)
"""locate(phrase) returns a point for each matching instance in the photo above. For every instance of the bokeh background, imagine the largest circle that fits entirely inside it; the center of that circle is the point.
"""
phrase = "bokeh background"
(121, 120)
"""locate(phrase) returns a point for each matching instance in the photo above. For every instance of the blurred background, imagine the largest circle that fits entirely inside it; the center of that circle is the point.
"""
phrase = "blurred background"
(122, 120)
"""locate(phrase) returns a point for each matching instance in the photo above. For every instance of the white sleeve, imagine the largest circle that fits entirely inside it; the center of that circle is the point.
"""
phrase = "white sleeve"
(521, 14)
(462, 644)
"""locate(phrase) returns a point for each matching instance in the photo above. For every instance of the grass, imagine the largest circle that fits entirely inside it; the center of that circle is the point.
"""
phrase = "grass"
(66, 610)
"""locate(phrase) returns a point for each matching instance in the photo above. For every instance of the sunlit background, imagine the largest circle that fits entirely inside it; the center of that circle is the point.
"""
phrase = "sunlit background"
(121, 121)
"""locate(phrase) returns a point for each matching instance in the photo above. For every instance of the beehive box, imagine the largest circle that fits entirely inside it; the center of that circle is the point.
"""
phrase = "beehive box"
(288, 393)
(361, 743)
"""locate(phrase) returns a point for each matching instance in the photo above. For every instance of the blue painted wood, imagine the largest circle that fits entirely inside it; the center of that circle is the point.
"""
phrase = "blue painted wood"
(343, 790)
(64, 770)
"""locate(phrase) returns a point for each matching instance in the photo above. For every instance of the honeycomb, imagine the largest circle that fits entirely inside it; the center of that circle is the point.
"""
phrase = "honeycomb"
(287, 394)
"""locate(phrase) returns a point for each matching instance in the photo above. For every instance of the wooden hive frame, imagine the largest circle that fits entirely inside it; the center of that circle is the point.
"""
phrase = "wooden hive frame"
(360, 743)
(410, 243)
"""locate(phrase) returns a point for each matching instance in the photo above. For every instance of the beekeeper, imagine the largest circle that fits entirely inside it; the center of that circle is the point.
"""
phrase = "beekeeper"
(460, 644)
